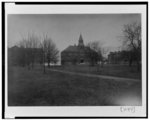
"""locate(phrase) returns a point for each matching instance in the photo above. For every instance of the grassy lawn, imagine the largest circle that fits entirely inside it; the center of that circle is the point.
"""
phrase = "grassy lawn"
(110, 70)
(33, 88)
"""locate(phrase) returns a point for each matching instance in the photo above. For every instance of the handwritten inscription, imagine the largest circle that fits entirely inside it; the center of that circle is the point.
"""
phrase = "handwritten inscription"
(128, 109)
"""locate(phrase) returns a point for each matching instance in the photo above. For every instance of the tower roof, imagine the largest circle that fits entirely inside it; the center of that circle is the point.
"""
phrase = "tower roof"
(80, 41)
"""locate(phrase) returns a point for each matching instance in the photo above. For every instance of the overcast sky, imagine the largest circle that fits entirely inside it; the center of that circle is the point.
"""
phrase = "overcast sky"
(64, 29)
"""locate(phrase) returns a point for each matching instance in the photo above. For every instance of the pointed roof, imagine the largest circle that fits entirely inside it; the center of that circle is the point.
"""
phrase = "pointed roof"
(80, 38)
(80, 41)
(72, 48)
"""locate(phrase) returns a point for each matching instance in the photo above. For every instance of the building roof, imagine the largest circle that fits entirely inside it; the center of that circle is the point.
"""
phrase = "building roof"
(77, 49)
(72, 49)
(80, 43)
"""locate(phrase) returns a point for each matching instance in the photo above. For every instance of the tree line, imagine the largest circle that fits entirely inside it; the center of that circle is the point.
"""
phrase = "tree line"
(32, 49)
(132, 42)
(131, 47)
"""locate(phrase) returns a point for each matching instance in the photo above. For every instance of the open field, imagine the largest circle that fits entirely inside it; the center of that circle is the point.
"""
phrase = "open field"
(33, 88)
(110, 70)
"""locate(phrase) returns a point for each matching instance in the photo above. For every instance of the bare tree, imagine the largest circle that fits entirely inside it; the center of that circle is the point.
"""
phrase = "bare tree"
(24, 45)
(104, 51)
(50, 52)
(132, 40)
(29, 46)
(43, 48)
(97, 47)
(33, 43)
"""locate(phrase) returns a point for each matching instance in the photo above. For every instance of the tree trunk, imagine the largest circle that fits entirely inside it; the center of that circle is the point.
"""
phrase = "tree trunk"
(48, 64)
(44, 71)
(102, 64)
(98, 67)
(130, 62)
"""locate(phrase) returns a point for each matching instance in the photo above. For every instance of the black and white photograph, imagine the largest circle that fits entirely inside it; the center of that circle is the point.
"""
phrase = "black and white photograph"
(76, 60)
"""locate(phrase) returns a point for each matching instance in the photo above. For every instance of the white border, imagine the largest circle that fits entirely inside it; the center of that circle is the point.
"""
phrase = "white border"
(100, 111)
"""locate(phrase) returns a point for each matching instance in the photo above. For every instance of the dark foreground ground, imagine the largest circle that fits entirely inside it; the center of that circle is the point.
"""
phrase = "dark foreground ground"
(33, 88)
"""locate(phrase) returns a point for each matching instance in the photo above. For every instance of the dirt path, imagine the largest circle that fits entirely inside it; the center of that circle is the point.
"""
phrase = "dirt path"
(98, 76)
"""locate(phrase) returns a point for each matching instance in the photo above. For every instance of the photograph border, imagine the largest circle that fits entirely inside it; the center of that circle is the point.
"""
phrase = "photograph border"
(68, 3)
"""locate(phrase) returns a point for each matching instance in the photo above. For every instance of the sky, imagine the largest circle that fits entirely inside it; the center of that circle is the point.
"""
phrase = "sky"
(65, 29)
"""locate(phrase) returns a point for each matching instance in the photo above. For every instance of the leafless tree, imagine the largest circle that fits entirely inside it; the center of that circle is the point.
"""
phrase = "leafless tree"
(24, 44)
(29, 46)
(50, 52)
(97, 47)
(132, 40)
(43, 48)
(33, 42)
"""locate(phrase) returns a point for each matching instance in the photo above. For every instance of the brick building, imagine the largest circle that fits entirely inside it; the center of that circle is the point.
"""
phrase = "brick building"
(76, 54)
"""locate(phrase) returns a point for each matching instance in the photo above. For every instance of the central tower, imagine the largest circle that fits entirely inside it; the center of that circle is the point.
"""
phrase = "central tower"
(80, 44)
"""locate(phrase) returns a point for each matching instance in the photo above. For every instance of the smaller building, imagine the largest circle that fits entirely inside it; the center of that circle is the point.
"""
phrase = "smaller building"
(118, 57)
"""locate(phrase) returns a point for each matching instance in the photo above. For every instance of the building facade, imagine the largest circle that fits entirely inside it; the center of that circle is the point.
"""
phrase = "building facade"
(119, 57)
(76, 54)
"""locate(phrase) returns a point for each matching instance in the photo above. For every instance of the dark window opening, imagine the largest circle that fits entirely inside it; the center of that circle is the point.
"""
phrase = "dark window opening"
(81, 61)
